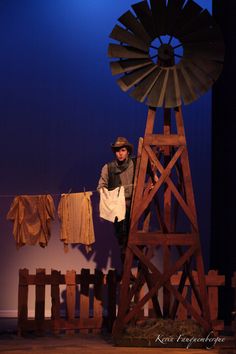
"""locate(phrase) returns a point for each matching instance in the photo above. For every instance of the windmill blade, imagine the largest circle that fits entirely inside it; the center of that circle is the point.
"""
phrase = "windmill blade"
(131, 23)
(144, 14)
(177, 87)
(119, 34)
(159, 16)
(119, 51)
(202, 35)
(190, 10)
(210, 51)
(187, 93)
(174, 9)
(201, 81)
(203, 20)
(172, 96)
(122, 66)
(205, 80)
(157, 93)
(145, 86)
(210, 68)
(127, 81)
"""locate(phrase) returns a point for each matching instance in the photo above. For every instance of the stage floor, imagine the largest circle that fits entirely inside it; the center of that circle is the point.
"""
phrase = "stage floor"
(10, 343)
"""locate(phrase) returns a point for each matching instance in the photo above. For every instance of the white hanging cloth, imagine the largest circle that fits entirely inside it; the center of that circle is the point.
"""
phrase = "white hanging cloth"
(112, 204)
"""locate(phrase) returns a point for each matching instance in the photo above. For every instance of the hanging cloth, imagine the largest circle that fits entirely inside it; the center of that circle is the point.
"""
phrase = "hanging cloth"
(31, 216)
(75, 214)
(112, 204)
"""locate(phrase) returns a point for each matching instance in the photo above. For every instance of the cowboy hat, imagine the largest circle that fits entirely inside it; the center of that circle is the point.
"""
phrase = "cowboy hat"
(122, 142)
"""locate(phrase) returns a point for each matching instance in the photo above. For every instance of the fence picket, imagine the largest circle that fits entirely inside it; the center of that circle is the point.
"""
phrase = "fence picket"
(98, 300)
(84, 300)
(55, 298)
(111, 297)
(22, 298)
(70, 279)
(40, 298)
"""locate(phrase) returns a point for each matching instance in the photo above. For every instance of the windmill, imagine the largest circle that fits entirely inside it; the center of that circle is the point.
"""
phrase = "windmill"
(166, 54)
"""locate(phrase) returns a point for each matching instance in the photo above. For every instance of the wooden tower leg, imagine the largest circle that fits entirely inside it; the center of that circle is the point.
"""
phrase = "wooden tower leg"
(167, 212)
(167, 156)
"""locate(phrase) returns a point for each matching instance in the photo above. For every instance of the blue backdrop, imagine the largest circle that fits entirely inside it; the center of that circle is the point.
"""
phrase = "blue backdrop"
(60, 107)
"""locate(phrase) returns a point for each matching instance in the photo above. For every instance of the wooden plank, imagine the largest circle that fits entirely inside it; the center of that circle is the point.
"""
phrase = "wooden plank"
(185, 166)
(55, 296)
(212, 278)
(22, 299)
(166, 293)
(70, 296)
(194, 303)
(84, 300)
(155, 301)
(141, 166)
(155, 238)
(32, 279)
(167, 210)
(98, 300)
(162, 140)
(180, 284)
(182, 312)
(213, 302)
(124, 294)
(111, 297)
(40, 298)
(137, 169)
(202, 284)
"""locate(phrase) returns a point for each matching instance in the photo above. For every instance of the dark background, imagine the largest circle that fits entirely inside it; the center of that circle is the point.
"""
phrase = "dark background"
(223, 240)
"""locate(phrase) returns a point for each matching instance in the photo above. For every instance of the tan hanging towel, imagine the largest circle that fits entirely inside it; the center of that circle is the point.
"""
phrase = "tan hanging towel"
(31, 216)
(75, 214)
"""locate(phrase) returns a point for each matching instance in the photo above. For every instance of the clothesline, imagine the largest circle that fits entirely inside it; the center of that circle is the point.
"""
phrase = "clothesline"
(57, 194)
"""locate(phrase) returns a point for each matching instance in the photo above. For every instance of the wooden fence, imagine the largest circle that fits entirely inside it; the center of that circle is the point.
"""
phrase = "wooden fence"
(213, 282)
(83, 292)
(90, 300)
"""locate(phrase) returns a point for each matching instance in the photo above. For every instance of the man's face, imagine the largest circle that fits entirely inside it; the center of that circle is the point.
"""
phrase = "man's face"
(122, 154)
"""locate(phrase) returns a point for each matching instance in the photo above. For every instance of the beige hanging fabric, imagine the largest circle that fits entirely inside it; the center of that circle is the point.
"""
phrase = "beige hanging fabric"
(31, 216)
(75, 214)
(112, 204)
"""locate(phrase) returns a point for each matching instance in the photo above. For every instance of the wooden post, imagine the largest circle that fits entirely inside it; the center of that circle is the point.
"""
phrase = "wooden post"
(70, 297)
(98, 300)
(55, 297)
(84, 299)
(111, 297)
(22, 299)
(40, 299)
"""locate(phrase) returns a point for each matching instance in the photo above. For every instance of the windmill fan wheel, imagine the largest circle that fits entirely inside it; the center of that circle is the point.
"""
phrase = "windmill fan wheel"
(166, 53)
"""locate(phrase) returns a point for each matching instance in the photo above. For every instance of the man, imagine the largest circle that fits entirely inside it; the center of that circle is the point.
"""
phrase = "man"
(120, 172)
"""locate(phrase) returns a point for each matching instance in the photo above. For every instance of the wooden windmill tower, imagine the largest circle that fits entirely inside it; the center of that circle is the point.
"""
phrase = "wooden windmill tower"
(166, 54)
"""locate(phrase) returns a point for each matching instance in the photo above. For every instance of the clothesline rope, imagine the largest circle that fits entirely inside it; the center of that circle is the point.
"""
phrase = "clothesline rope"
(56, 194)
